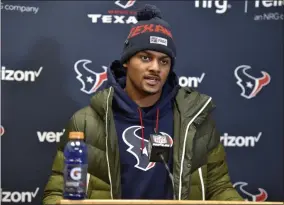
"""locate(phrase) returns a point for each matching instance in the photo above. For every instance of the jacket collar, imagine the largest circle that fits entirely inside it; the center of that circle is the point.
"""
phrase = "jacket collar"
(101, 102)
(188, 102)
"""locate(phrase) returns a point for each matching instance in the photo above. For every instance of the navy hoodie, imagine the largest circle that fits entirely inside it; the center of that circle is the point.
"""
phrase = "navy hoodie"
(141, 179)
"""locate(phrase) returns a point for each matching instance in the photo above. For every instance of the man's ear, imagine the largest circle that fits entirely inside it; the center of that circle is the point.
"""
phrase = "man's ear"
(125, 65)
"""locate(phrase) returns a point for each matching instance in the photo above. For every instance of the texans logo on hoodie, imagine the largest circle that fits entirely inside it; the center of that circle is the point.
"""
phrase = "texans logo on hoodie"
(133, 141)
(91, 81)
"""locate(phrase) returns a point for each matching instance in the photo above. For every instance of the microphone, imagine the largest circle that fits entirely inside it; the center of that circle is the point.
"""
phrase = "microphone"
(158, 151)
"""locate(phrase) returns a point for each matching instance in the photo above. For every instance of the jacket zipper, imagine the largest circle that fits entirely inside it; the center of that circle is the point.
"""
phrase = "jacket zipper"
(184, 144)
(107, 158)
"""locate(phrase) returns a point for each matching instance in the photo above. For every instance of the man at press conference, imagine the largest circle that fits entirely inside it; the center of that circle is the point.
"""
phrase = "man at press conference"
(143, 98)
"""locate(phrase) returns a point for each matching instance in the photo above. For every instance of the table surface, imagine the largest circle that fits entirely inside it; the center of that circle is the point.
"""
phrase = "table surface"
(93, 201)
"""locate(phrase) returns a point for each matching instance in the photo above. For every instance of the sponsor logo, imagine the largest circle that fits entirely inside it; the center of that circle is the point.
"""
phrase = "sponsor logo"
(223, 6)
(16, 197)
(19, 8)
(49, 136)
(220, 6)
(2, 131)
(75, 173)
(116, 16)
(258, 197)
(191, 81)
(269, 16)
(265, 4)
(240, 141)
(249, 84)
(19, 75)
(91, 81)
(133, 141)
(158, 40)
(126, 5)
(268, 3)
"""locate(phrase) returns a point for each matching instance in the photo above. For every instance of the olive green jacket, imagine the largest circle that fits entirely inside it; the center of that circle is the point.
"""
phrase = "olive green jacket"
(199, 171)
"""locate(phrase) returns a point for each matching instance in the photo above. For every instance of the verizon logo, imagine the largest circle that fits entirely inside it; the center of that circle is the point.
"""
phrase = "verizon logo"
(49, 136)
(191, 81)
(19, 75)
(16, 197)
(240, 141)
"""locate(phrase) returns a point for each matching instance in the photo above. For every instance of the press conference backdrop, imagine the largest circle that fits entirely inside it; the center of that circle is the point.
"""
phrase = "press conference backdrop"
(55, 55)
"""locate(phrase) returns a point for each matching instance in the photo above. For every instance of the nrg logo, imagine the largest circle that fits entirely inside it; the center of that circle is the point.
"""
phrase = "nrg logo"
(221, 6)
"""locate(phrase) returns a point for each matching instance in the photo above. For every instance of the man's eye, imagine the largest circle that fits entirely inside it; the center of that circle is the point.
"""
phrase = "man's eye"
(165, 62)
(145, 58)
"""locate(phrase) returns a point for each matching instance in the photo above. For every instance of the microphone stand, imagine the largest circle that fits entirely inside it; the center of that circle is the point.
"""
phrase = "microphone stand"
(170, 174)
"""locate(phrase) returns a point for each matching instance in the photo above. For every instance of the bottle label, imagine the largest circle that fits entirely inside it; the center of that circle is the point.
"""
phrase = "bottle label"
(75, 178)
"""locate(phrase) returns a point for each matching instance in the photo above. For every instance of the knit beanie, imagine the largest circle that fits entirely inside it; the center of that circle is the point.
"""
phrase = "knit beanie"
(151, 32)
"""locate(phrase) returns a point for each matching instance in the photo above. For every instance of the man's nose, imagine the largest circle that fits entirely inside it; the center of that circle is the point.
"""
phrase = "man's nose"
(155, 66)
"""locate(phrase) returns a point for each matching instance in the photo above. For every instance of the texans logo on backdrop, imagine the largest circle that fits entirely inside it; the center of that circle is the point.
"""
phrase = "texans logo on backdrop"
(91, 81)
(250, 85)
(2, 131)
(257, 197)
(125, 5)
(133, 141)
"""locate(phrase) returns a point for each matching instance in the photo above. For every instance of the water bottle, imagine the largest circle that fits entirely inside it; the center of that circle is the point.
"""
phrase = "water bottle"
(75, 167)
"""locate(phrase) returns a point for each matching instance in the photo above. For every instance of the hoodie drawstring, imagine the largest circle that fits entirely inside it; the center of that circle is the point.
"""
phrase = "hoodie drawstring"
(141, 123)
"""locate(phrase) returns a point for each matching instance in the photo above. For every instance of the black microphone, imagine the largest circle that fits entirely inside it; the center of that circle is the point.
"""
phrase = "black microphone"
(158, 151)
(158, 144)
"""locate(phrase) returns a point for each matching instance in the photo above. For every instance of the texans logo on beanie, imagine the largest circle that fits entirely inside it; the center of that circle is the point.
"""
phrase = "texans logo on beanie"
(150, 33)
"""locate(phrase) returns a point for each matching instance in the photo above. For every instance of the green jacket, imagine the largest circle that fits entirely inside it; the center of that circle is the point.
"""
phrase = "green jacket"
(200, 170)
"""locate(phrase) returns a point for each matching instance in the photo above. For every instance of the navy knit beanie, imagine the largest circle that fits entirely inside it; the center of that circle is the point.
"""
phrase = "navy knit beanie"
(150, 33)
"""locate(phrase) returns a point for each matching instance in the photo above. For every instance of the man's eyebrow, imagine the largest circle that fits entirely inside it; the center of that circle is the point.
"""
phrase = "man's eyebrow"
(160, 57)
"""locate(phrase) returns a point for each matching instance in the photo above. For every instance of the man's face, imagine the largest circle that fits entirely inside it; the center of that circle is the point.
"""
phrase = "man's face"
(147, 71)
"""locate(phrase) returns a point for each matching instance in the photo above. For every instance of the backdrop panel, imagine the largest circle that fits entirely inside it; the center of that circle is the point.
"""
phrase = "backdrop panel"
(230, 50)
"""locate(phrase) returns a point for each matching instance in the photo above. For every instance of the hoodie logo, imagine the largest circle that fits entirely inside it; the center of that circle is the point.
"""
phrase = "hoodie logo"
(133, 141)
(250, 85)
(261, 196)
(91, 81)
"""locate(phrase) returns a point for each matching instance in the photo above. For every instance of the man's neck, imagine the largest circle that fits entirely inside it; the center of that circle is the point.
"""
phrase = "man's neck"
(140, 99)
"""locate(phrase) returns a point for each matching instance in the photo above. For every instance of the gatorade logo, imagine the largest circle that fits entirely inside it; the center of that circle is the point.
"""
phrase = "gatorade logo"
(76, 173)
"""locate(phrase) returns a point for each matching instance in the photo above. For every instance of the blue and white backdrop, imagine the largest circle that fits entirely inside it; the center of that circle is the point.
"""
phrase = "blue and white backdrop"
(231, 50)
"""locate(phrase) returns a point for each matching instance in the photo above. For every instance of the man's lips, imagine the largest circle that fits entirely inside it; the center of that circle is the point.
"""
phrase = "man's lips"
(152, 80)
(152, 77)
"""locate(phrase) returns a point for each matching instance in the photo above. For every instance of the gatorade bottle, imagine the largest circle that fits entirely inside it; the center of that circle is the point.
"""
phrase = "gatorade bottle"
(75, 167)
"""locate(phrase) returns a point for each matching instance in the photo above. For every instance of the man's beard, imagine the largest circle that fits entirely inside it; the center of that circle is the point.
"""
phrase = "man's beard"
(150, 92)
(143, 91)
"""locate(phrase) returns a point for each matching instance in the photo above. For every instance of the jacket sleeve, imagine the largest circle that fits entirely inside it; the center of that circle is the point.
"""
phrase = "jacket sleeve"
(53, 191)
(219, 186)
